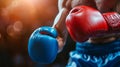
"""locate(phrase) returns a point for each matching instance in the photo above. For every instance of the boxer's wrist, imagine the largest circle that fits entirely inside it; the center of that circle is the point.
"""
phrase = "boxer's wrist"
(102, 40)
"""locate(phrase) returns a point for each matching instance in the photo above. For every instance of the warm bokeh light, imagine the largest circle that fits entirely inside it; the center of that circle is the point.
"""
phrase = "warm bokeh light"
(31, 13)
(34, 10)
(14, 30)
(10, 30)
(18, 26)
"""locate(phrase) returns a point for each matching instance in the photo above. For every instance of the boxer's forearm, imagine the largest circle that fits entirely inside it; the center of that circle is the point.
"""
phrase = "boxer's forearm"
(59, 24)
(106, 5)
(61, 4)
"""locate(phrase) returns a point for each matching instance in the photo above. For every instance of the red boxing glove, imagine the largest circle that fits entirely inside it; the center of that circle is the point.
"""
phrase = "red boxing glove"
(83, 22)
(113, 21)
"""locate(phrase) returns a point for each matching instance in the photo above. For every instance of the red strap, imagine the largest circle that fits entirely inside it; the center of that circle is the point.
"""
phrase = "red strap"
(113, 20)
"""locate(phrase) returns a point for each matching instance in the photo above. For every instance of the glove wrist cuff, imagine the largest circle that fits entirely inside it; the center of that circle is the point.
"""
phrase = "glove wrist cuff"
(113, 20)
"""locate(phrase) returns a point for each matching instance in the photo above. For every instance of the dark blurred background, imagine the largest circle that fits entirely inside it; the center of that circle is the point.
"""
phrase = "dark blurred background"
(18, 19)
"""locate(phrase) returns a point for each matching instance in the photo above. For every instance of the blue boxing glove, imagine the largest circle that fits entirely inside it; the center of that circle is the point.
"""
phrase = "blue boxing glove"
(43, 46)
